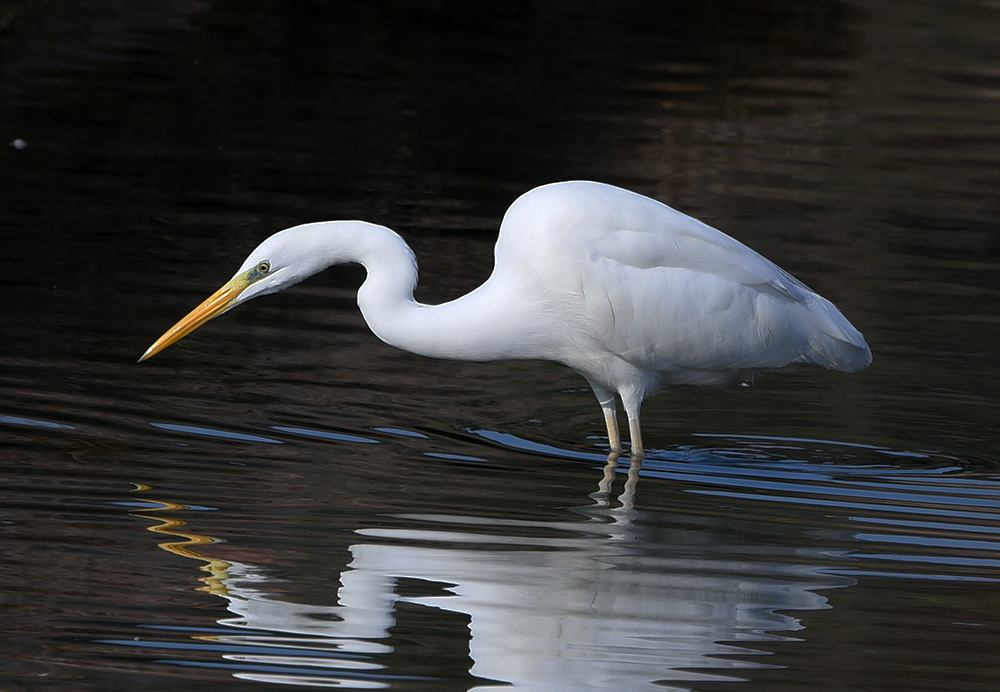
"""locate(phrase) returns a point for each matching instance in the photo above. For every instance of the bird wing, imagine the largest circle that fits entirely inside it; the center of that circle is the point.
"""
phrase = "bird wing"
(592, 221)
(566, 219)
(660, 289)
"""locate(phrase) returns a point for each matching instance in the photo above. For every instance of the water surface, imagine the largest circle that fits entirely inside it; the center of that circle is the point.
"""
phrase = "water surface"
(282, 500)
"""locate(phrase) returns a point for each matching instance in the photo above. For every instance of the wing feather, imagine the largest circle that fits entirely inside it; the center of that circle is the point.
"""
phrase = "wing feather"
(664, 291)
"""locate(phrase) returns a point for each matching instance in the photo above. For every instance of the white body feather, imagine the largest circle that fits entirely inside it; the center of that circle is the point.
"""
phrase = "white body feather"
(628, 292)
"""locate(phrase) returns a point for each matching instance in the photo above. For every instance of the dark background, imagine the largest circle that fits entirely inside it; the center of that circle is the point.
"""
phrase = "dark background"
(145, 148)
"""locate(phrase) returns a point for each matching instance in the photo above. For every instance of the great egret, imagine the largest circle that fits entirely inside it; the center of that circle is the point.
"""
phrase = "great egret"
(626, 291)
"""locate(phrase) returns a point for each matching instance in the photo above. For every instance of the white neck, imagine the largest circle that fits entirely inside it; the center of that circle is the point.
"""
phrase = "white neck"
(487, 324)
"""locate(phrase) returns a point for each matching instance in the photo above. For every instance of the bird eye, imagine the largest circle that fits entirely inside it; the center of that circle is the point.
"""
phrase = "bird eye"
(264, 267)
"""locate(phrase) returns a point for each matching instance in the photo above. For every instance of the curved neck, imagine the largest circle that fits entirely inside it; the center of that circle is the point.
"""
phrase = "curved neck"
(487, 324)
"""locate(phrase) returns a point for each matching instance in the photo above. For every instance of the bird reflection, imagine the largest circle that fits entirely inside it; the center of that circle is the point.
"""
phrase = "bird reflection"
(593, 602)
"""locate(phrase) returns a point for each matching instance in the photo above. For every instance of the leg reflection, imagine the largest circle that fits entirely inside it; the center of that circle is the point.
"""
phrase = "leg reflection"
(627, 498)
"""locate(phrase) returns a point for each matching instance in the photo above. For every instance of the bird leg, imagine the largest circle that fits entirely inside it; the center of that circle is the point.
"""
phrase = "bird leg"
(611, 420)
(635, 437)
(606, 398)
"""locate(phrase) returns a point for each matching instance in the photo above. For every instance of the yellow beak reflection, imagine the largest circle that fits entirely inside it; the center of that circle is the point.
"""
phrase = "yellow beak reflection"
(214, 305)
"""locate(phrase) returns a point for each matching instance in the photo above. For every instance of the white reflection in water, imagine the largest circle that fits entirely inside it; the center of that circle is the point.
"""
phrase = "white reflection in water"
(586, 608)
(607, 596)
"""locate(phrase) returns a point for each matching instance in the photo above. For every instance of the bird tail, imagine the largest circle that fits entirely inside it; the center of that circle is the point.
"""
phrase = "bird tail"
(833, 342)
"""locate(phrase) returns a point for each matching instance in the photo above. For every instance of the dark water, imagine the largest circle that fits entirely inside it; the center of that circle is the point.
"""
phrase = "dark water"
(283, 500)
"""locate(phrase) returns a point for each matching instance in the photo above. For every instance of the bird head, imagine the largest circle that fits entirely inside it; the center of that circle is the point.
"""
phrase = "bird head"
(277, 263)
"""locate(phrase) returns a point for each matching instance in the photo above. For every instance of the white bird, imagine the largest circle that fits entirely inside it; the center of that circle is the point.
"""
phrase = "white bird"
(630, 293)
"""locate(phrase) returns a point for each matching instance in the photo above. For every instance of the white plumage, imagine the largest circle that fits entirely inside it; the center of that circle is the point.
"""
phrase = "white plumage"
(630, 293)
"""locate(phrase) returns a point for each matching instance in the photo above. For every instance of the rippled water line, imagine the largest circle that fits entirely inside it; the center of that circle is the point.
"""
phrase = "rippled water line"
(214, 432)
(401, 433)
(932, 525)
(841, 504)
(929, 542)
(837, 488)
(964, 562)
(787, 440)
(34, 423)
(886, 497)
(740, 465)
(942, 485)
(509, 441)
(324, 434)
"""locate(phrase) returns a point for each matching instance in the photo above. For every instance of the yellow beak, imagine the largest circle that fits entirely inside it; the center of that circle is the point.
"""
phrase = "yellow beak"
(214, 305)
